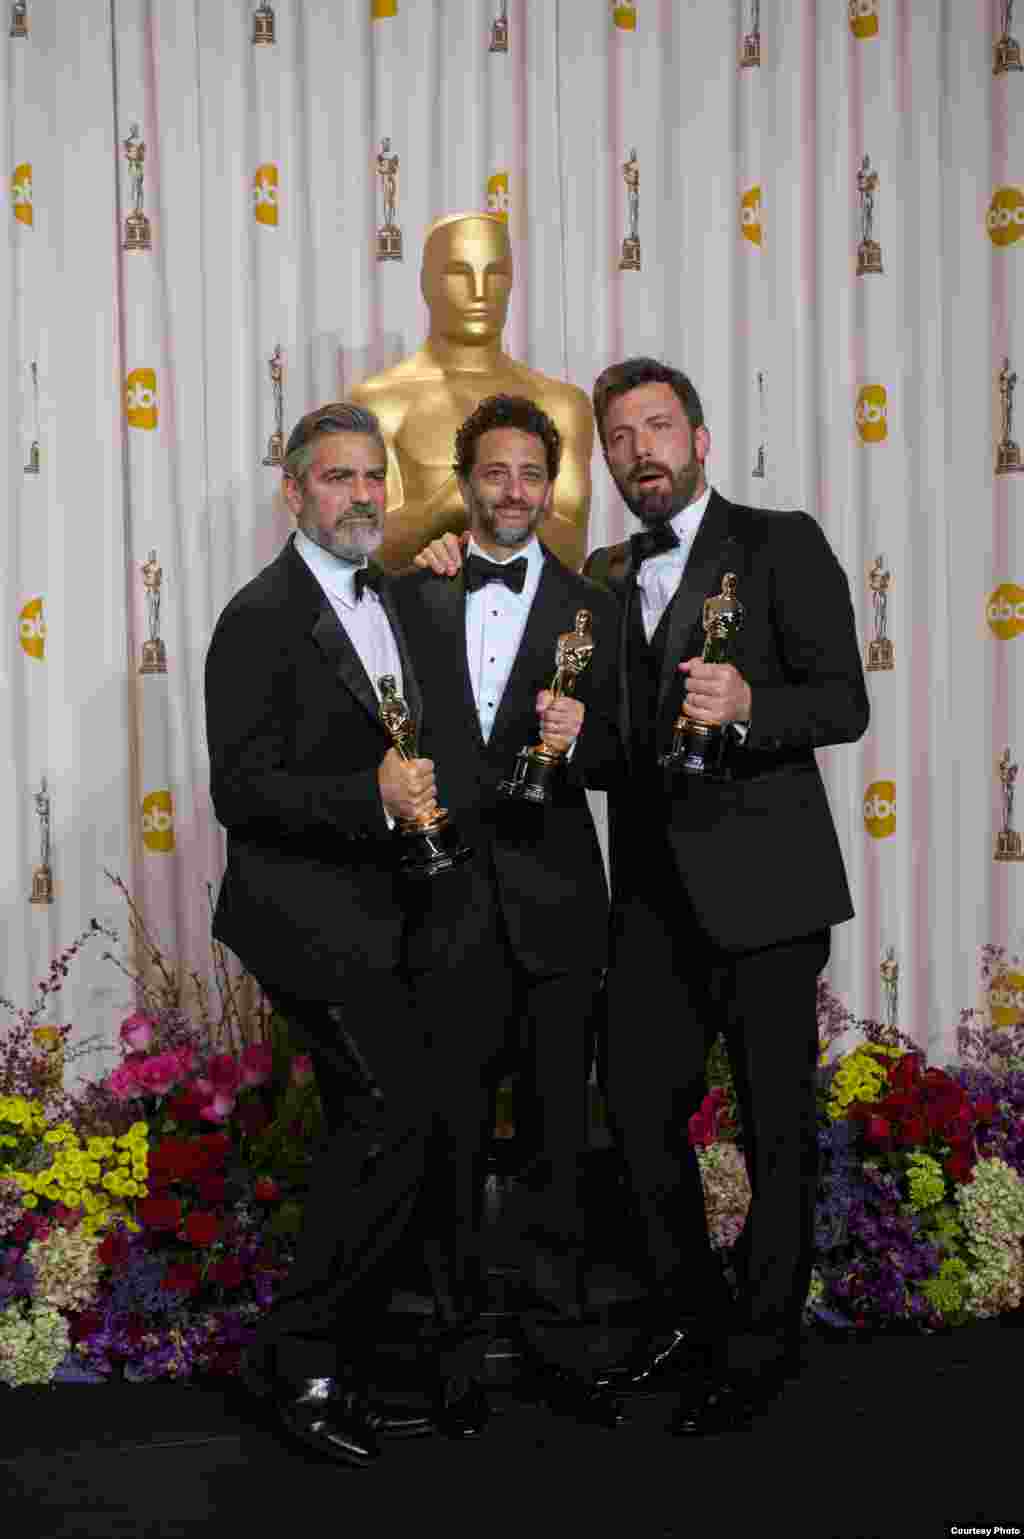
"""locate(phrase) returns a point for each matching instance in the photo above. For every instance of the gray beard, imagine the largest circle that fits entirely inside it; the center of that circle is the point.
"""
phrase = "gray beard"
(355, 545)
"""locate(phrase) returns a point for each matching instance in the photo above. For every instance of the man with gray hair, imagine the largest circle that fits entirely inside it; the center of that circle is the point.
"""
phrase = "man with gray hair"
(308, 786)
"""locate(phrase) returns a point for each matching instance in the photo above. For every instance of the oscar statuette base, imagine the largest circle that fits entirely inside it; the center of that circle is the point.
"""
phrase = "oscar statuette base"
(499, 37)
(427, 849)
(880, 656)
(42, 885)
(1006, 56)
(137, 233)
(750, 55)
(869, 258)
(32, 468)
(630, 260)
(1009, 845)
(389, 244)
(275, 449)
(1008, 458)
(154, 657)
(696, 750)
(531, 779)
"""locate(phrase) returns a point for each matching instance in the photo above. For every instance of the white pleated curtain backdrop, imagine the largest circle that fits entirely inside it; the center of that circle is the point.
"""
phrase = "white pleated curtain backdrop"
(264, 200)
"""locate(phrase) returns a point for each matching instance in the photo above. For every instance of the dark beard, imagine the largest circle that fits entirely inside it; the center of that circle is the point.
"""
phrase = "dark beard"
(659, 507)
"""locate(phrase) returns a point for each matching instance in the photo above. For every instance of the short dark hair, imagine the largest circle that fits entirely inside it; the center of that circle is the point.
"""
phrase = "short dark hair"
(514, 411)
(338, 417)
(621, 377)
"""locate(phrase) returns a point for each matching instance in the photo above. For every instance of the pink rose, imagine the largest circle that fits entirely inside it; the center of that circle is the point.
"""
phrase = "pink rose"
(137, 1031)
(257, 1064)
(123, 1084)
(219, 1109)
(160, 1074)
(224, 1073)
(302, 1069)
(185, 1058)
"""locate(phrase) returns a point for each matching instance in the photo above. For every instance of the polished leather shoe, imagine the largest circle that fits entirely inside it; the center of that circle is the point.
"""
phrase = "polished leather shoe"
(460, 1407)
(657, 1365)
(566, 1393)
(331, 1422)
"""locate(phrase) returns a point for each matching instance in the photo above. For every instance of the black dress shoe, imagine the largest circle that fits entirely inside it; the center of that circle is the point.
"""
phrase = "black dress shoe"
(657, 1365)
(329, 1421)
(460, 1408)
(567, 1394)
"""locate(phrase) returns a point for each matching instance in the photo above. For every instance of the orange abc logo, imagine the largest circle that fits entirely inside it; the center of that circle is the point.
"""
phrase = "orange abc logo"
(1006, 999)
(497, 194)
(21, 193)
(880, 808)
(750, 215)
(624, 16)
(158, 822)
(264, 194)
(32, 628)
(380, 10)
(1005, 217)
(1005, 611)
(872, 414)
(140, 398)
(864, 18)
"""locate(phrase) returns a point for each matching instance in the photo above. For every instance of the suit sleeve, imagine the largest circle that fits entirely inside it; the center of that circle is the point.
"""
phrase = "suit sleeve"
(823, 699)
(599, 760)
(250, 708)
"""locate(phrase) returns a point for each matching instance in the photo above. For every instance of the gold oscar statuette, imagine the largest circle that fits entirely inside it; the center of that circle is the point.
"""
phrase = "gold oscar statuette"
(42, 876)
(32, 466)
(880, 654)
(869, 252)
(50, 1064)
(1009, 844)
(154, 653)
(429, 844)
(389, 236)
(1006, 50)
(750, 49)
(19, 18)
(263, 24)
(698, 749)
(630, 259)
(889, 972)
(275, 443)
(1008, 457)
(138, 235)
(759, 464)
(536, 767)
(499, 30)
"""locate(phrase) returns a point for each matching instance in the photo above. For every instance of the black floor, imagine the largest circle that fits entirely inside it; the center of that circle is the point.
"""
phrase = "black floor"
(879, 1439)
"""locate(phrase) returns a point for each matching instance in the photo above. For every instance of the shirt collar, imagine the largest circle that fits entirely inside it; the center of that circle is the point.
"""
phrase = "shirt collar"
(335, 576)
(687, 520)
(532, 550)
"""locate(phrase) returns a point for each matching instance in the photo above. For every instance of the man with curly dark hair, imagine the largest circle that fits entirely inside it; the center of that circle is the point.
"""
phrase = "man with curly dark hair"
(507, 952)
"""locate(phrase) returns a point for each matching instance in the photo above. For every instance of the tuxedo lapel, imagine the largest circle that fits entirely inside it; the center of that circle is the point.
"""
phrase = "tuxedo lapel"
(445, 604)
(329, 635)
(708, 560)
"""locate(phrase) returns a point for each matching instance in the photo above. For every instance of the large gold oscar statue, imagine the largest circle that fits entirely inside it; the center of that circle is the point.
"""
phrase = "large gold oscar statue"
(466, 281)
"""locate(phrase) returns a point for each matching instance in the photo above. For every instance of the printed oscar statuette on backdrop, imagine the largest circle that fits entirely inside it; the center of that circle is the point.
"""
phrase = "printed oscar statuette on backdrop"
(32, 465)
(759, 464)
(42, 876)
(137, 233)
(154, 653)
(389, 236)
(275, 443)
(1008, 456)
(263, 24)
(430, 843)
(630, 259)
(880, 653)
(19, 18)
(499, 30)
(1009, 844)
(869, 252)
(889, 972)
(1006, 49)
(698, 749)
(536, 767)
(750, 51)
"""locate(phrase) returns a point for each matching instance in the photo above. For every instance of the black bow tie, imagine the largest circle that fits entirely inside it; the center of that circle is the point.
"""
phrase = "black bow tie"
(511, 573)
(651, 542)
(366, 577)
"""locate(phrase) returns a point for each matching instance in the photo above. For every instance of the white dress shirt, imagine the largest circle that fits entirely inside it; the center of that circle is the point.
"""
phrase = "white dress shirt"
(364, 620)
(495, 621)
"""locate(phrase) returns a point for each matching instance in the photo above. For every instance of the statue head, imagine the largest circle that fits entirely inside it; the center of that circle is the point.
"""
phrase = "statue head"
(466, 278)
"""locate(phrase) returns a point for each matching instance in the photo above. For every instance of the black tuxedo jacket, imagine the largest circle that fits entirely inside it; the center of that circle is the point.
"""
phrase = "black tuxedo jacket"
(546, 860)
(757, 855)
(295, 741)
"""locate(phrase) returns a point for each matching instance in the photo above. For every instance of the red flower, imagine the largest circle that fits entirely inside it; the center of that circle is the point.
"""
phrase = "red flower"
(914, 1131)
(160, 1212)
(185, 1105)
(229, 1272)
(211, 1188)
(84, 1323)
(985, 1110)
(224, 1073)
(252, 1117)
(181, 1278)
(217, 1147)
(257, 1064)
(905, 1072)
(202, 1228)
(960, 1168)
(115, 1248)
(877, 1130)
(266, 1189)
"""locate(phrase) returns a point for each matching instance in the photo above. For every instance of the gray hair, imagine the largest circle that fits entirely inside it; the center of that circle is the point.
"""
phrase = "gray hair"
(340, 417)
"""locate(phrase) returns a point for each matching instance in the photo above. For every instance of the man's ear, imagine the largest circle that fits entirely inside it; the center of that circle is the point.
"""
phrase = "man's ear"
(292, 492)
(701, 444)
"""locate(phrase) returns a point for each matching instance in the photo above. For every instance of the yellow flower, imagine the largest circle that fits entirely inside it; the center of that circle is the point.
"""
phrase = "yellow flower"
(124, 1158)
(93, 1170)
(54, 1136)
(130, 1189)
(139, 1130)
(30, 1200)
